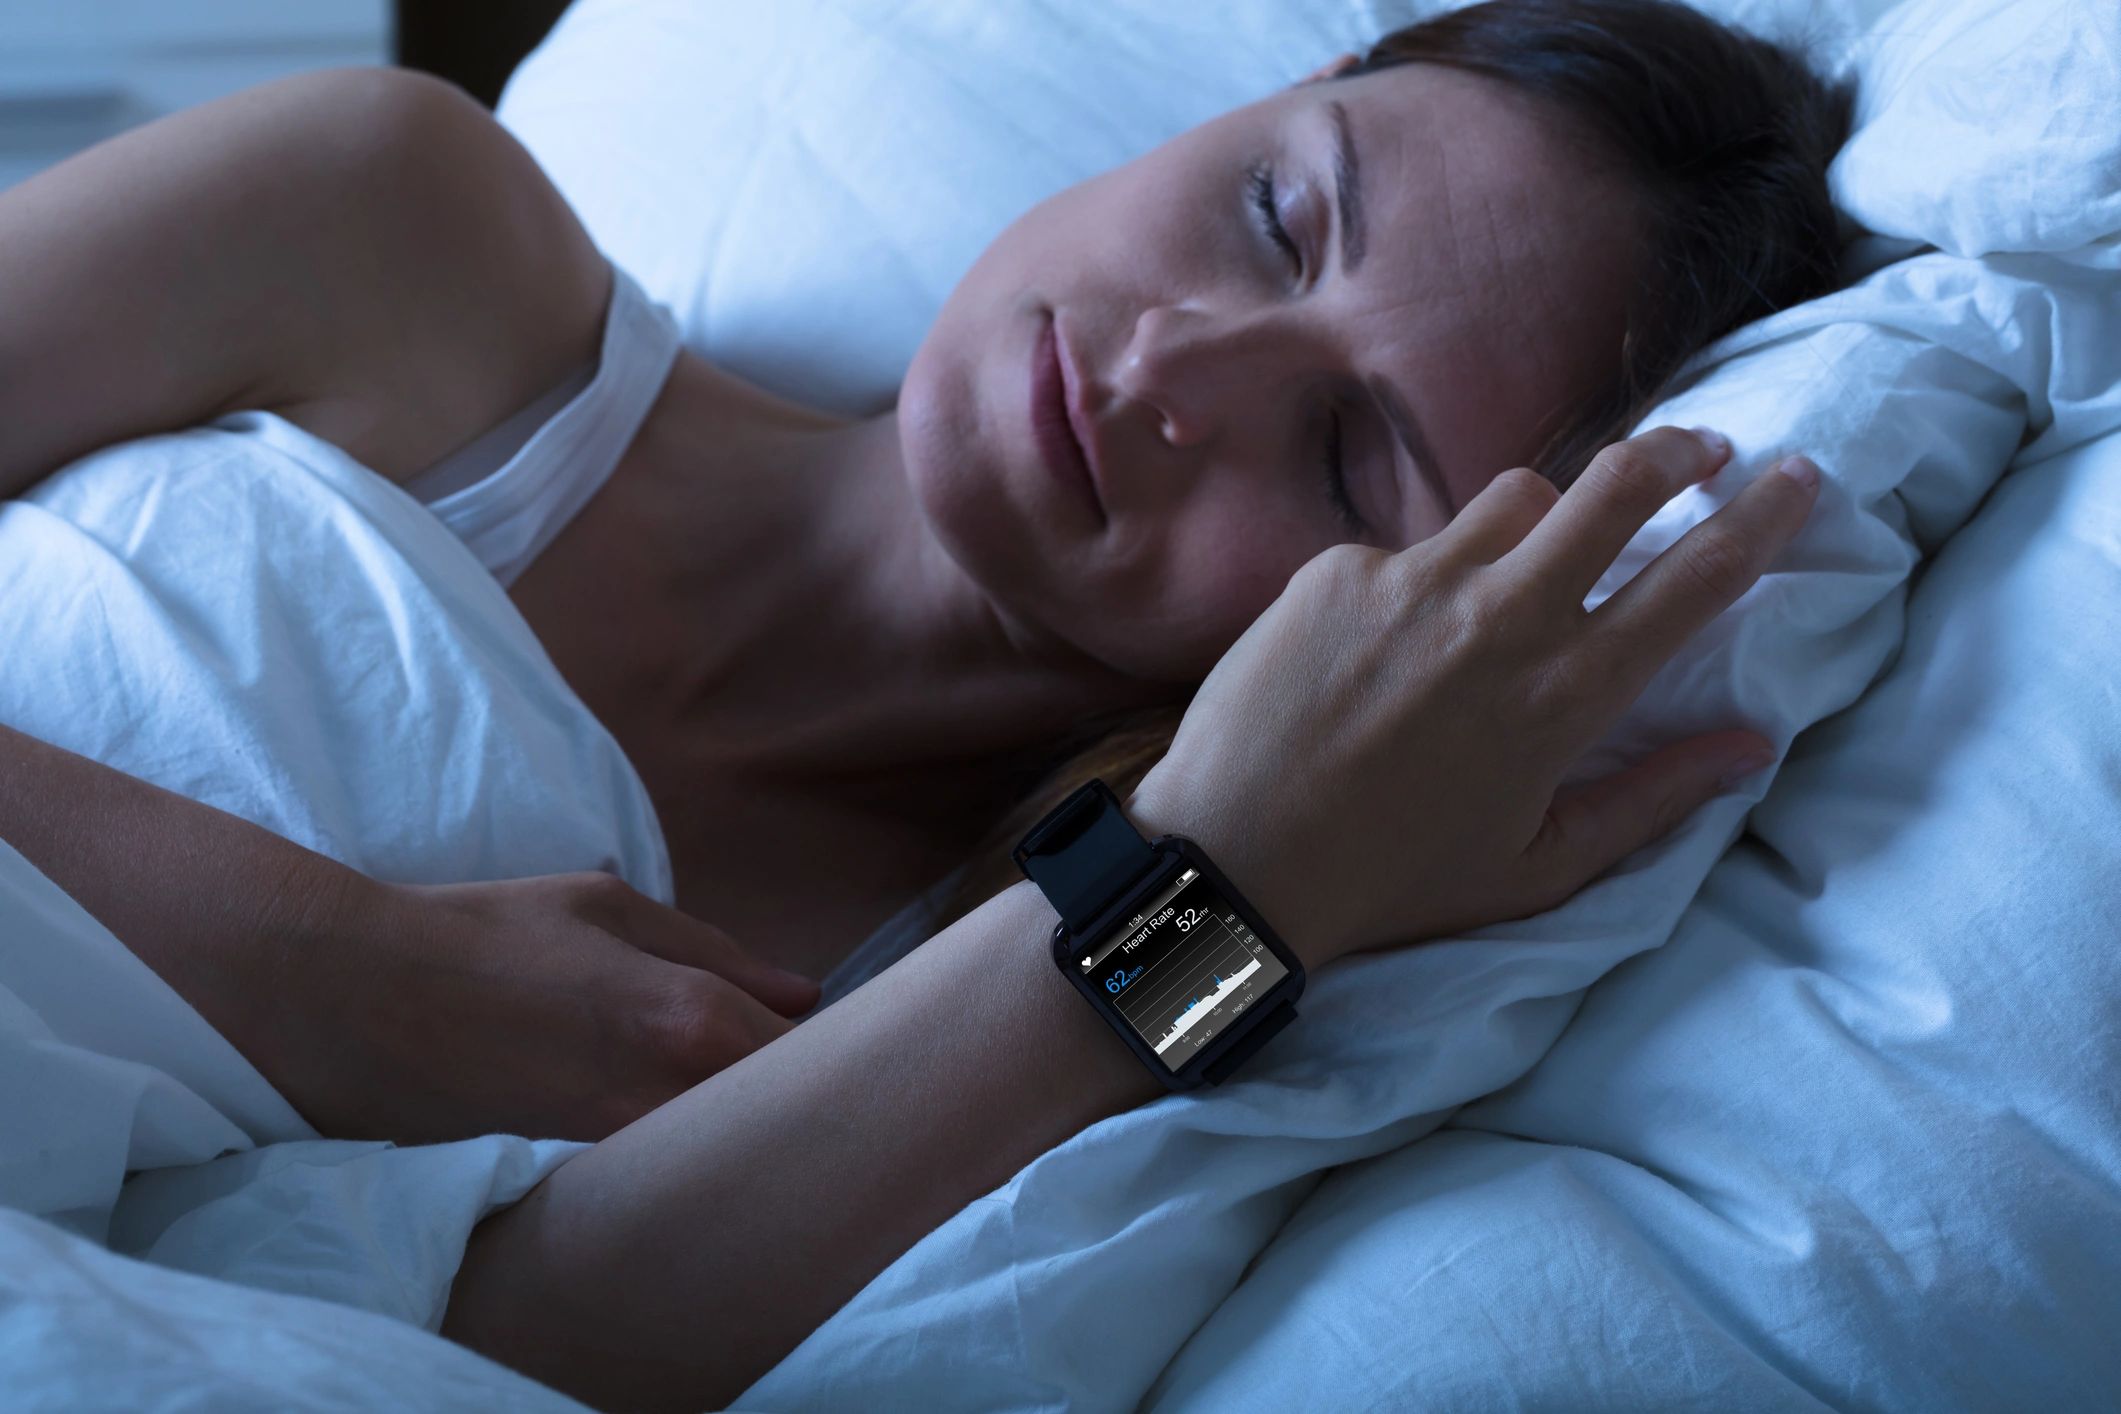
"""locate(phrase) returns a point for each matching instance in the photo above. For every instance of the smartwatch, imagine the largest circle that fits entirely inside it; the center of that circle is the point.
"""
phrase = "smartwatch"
(1158, 941)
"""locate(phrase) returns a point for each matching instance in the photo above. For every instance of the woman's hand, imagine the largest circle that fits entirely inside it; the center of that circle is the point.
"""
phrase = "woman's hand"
(564, 1006)
(1377, 758)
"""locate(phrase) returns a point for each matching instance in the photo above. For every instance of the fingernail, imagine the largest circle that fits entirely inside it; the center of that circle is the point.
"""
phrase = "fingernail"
(1800, 469)
(1744, 766)
(1716, 442)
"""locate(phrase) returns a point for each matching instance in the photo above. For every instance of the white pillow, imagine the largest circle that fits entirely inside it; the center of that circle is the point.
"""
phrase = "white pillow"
(1988, 125)
(804, 182)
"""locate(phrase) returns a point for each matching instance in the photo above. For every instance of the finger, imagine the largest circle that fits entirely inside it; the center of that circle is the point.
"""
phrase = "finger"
(1647, 620)
(662, 931)
(1497, 519)
(1591, 827)
(1623, 487)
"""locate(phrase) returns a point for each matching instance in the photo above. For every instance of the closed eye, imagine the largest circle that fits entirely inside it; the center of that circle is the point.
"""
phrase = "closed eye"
(1260, 181)
(1351, 519)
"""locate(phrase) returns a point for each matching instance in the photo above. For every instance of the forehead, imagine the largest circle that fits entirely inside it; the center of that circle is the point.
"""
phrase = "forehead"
(1472, 190)
(1499, 248)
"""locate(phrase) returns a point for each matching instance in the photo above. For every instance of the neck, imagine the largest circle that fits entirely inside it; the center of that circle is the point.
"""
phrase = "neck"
(821, 632)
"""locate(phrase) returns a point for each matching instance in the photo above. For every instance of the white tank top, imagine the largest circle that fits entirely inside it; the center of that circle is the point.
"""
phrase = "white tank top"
(510, 492)
(507, 494)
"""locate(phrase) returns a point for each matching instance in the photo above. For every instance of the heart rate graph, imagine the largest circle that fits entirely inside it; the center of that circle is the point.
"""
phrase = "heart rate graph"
(1200, 1008)
(1208, 970)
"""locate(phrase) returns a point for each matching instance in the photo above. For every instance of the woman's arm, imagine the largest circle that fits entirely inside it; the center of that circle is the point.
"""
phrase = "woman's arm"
(679, 1260)
(563, 1006)
(364, 251)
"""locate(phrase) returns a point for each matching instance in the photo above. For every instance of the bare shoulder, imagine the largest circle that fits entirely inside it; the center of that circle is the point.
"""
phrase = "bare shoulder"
(472, 286)
(365, 251)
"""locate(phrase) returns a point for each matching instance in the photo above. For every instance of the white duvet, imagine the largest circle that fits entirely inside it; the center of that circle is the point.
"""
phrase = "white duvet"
(1834, 1124)
(243, 614)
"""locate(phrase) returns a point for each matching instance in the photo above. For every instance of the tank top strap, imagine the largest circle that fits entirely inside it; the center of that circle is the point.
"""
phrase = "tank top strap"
(507, 518)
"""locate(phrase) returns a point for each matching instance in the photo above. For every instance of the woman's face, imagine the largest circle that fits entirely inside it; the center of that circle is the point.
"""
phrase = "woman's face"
(1455, 274)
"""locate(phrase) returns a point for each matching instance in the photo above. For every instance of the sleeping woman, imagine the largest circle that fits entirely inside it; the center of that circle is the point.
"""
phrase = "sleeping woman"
(1263, 477)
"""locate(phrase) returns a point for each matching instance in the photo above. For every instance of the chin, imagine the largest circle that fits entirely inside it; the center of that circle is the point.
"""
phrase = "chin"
(985, 512)
(966, 507)
(961, 493)
(940, 445)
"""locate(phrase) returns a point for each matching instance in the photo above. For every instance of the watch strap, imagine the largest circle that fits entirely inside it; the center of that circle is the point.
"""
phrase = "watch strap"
(1084, 854)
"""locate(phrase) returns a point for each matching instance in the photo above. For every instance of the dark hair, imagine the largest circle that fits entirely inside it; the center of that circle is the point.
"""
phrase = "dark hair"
(1727, 138)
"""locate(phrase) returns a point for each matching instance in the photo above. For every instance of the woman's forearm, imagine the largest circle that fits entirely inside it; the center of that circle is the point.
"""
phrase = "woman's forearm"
(216, 905)
(683, 1257)
(680, 1259)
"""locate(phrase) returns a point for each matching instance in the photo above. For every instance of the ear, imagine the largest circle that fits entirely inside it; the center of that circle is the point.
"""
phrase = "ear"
(1332, 69)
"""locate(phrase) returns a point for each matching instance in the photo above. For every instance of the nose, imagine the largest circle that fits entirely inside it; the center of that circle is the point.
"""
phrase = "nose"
(1199, 368)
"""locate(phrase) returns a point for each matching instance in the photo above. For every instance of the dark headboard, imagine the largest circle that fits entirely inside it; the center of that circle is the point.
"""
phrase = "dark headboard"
(474, 43)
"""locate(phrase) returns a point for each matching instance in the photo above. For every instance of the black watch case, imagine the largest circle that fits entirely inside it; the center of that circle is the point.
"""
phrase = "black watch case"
(1271, 1011)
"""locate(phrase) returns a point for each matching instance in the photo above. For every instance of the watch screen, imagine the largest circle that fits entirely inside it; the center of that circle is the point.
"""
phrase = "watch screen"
(1182, 969)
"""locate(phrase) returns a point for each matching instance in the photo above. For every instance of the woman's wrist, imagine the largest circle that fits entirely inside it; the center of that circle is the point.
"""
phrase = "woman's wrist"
(310, 1006)
(1245, 852)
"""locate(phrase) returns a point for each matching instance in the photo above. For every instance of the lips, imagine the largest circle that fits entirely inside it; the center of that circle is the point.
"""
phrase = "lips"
(1054, 425)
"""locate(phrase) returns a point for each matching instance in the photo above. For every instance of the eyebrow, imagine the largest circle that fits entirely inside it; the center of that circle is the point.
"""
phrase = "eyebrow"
(1354, 238)
(1347, 184)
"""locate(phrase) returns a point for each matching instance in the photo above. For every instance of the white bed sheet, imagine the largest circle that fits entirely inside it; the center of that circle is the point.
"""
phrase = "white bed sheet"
(242, 614)
(82, 1328)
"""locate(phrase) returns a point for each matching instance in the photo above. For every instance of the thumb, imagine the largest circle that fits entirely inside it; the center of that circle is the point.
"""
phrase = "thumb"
(1591, 827)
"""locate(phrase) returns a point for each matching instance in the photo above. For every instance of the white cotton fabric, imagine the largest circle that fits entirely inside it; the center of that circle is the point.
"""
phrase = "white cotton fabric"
(243, 614)
(508, 516)
(83, 1328)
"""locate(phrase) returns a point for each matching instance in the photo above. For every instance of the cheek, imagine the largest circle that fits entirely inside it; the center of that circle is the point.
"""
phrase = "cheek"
(1063, 239)
(1221, 567)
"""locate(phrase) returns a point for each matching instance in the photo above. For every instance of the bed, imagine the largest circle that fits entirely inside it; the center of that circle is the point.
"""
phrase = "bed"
(1815, 1103)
